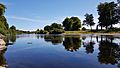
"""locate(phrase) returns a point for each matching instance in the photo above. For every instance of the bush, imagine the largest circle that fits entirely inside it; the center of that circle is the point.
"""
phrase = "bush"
(83, 28)
(41, 32)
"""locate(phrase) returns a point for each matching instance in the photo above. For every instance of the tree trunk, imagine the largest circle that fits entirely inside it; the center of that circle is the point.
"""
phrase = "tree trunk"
(101, 27)
(106, 27)
(97, 28)
(91, 28)
(111, 26)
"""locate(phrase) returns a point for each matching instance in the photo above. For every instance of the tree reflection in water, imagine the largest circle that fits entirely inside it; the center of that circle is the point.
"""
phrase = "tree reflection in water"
(54, 39)
(13, 38)
(3, 63)
(72, 43)
(10, 39)
(89, 46)
(109, 51)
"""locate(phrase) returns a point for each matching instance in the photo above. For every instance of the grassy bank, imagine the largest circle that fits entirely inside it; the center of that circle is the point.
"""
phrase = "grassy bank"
(89, 32)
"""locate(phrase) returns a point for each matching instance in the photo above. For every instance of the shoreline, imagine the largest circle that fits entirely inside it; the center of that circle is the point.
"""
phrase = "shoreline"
(89, 33)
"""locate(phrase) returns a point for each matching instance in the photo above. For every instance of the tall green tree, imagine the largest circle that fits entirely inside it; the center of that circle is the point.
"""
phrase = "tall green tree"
(89, 20)
(3, 22)
(72, 24)
(76, 23)
(107, 15)
(67, 24)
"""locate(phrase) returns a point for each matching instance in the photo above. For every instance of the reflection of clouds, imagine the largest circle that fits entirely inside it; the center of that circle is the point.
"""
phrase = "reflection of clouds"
(22, 49)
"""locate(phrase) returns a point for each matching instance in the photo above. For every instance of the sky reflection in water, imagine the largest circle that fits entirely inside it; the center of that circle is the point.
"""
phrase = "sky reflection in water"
(59, 51)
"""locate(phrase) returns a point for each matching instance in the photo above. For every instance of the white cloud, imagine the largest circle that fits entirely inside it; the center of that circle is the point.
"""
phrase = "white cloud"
(27, 19)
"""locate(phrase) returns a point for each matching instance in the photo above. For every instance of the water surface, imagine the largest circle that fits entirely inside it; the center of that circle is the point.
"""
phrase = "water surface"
(61, 51)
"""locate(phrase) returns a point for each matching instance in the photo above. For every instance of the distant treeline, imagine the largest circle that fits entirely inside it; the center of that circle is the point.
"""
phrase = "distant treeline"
(109, 15)
(24, 32)
(4, 26)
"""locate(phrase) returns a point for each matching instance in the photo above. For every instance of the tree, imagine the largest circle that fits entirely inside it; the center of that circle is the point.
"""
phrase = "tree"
(41, 31)
(47, 28)
(13, 30)
(89, 21)
(3, 22)
(55, 25)
(13, 27)
(107, 14)
(83, 28)
(54, 28)
(2, 9)
(71, 24)
(76, 23)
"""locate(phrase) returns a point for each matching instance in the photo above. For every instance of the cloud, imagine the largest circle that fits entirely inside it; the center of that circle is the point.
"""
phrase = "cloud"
(27, 19)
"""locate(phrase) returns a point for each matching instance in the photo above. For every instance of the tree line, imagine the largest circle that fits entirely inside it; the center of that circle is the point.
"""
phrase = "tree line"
(109, 15)
(4, 26)
(5, 29)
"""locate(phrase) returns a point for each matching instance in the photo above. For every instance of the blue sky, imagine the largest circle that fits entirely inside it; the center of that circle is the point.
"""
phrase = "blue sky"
(33, 14)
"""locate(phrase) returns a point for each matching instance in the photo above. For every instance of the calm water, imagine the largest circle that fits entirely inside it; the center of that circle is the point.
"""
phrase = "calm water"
(58, 51)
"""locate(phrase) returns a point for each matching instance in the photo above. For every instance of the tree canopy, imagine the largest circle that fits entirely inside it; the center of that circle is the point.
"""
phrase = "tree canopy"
(72, 24)
(89, 21)
(4, 26)
(107, 14)
(2, 9)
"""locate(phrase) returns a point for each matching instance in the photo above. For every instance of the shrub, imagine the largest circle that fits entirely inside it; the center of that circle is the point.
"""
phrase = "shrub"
(83, 28)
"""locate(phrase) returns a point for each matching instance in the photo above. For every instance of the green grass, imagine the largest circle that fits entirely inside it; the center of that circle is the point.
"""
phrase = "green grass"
(89, 32)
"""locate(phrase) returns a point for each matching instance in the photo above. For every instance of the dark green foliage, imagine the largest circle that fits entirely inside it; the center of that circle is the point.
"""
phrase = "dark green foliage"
(41, 31)
(54, 28)
(4, 27)
(12, 30)
(47, 28)
(72, 43)
(72, 24)
(55, 40)
(2, 9)
(89, 21)
(55, 25)
(3, 19)
(83, 28)
(13, 27)
(107, 14)
(109, 51)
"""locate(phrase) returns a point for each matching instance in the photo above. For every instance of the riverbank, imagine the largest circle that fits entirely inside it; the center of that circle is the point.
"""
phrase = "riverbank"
(1, 36)
(86, 32)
